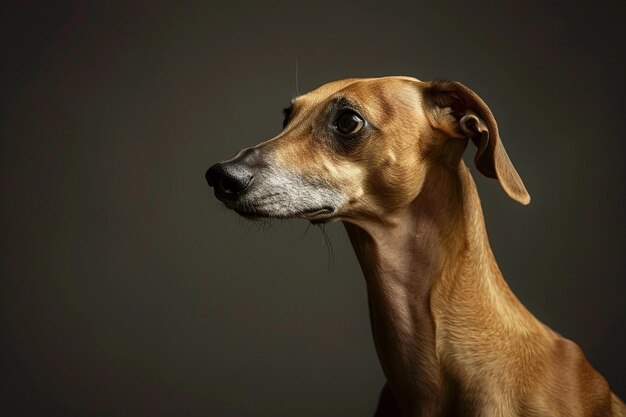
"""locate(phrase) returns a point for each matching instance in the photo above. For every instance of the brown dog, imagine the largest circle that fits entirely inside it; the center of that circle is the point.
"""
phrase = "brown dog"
(385, 157)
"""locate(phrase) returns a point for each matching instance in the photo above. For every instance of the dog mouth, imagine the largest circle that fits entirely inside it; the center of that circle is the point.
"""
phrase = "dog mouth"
(284, 196)
(315, 215)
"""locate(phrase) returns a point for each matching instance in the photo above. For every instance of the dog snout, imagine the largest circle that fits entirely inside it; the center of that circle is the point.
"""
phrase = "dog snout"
(232, 177)
(229, 179)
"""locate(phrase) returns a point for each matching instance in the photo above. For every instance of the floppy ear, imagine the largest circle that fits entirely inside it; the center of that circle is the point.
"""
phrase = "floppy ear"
(460, 112)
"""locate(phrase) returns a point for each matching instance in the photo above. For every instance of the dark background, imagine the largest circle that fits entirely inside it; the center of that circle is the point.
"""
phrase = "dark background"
(127, 290)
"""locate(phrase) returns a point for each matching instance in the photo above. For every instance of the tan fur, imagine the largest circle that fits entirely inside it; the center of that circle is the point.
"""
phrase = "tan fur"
(452, 338)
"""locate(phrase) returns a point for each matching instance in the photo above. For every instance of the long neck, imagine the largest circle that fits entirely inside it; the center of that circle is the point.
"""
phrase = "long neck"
(410, 259)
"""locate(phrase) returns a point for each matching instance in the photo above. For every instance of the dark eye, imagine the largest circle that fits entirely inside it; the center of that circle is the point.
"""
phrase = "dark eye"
(349, 123)
(286, 115)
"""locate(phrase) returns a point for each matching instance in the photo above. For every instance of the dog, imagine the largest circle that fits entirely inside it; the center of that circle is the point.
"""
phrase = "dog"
(384, 156)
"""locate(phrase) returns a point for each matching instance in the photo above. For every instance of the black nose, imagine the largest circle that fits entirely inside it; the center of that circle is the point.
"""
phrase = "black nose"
(228, 180)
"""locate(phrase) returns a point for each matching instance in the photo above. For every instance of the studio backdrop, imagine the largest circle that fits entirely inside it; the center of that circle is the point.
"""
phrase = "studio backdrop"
(127, 289)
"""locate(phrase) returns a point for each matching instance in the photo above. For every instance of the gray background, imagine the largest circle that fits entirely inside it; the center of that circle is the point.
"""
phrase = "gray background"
(127, 290)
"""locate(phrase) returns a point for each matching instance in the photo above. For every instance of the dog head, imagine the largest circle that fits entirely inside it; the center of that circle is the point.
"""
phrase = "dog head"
(363, 147)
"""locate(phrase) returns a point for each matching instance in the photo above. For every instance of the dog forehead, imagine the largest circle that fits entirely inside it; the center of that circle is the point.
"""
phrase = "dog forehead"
(363, 90)
(324, 91)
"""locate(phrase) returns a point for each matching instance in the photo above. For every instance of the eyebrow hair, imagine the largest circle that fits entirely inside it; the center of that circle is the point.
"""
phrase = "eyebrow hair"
(345, 102)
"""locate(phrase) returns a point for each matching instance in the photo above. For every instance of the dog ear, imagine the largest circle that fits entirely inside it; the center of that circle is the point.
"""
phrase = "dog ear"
(460, 112)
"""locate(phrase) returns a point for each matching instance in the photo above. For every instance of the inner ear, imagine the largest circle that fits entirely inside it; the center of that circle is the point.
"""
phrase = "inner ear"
(469, 125)
(475, 129)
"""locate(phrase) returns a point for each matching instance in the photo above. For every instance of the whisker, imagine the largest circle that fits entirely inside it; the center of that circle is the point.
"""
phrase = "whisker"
(329, 249)
(301, 237)
(297, 79)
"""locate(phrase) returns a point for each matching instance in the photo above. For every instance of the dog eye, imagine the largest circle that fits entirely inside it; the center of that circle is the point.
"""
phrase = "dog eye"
(349, 123)
(287, 115)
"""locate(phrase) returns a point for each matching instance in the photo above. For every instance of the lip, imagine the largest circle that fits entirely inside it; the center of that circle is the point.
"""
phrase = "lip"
(320, 216)
(324, 211)
(312, 214)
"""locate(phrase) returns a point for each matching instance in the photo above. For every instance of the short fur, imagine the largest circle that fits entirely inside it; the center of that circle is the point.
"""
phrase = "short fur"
(452, 338)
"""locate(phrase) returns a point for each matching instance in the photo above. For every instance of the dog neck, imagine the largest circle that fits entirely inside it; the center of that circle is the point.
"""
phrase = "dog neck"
(412, 262)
